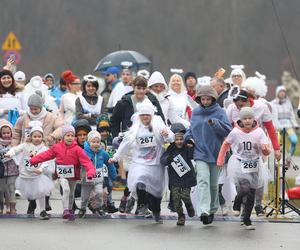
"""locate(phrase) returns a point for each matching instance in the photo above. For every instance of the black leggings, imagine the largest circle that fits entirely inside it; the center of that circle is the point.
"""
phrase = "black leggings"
(145, 198)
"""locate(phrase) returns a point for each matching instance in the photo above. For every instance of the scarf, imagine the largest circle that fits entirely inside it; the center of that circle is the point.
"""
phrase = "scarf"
(39, 116)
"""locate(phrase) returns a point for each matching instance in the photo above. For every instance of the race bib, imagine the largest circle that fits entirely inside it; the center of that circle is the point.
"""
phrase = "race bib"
(100, 174)
(65, 171)
(249, 166)
(2, 155)
(147, 141)
(180, 165)
(29, 167)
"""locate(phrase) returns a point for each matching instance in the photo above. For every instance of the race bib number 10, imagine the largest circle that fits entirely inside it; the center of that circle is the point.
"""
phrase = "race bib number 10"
(180, 165)
(65, 171)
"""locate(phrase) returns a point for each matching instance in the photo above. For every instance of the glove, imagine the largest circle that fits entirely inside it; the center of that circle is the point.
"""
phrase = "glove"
(91, 173)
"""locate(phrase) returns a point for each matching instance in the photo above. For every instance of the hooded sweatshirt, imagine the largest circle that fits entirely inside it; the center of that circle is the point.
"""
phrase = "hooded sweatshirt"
(208, 138)
(67, 155)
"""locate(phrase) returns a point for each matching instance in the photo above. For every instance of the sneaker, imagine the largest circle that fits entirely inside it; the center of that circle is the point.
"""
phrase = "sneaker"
(171, 207)
(259, 210)
(181, 220)
(100, 212)
(129, 205)
(66, 214)
(48, 207)
(141, 210)
(111, 209)
(190, 210)
(157, 218)
(204, 218)
(44, 215)
(72, 216)
(17, 193)
(81, 213)
(249, 226)
(224, 210)
(211, 218)
(236, 213)
(148, 214)
(118, 186)
(123, 203)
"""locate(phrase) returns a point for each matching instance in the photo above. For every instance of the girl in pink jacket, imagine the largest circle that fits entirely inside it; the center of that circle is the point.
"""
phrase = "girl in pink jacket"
(69, 159)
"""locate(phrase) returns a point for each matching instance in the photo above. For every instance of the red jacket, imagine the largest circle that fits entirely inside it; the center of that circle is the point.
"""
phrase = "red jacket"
(67, 155)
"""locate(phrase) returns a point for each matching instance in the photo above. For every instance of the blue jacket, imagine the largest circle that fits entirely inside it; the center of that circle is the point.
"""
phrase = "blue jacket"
(99, 159)
(57, 94)
(208, 138)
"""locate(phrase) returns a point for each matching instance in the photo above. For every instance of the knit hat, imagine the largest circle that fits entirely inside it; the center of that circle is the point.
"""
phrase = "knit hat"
(20, 76)
(280, 88)
(206, 90)
(36, 128)
(36, 100)
(5, 123)
(5, 72)
(93, 134)
(145, 108)
(246, 112)
(189, 74)
(68, 76)
(66, 129)
(178, 128)
(103, 123)
(82, 124)
(155, 78)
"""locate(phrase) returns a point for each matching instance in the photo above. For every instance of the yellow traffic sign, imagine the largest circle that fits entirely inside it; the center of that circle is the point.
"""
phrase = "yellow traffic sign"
(11, 42)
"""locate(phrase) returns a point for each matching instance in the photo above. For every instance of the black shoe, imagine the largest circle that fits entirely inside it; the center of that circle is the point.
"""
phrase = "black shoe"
(157, 218)
(204, 218)
(259, 210)
(129, 205)
(111, 209)
(44, 215)
(100, 212)
(74, 207)
(48, 207)
(81, 213)
(31, 207)
(171, 207)
(211, 218)
(123, 203)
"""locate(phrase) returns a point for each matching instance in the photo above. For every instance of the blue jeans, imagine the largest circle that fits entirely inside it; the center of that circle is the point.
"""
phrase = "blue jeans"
(207, 187)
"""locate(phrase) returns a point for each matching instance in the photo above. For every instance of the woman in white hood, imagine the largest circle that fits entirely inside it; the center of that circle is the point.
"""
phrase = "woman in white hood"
(179, 96)
(36, 83)
(146, 176)
(158, 87)
(237, 75)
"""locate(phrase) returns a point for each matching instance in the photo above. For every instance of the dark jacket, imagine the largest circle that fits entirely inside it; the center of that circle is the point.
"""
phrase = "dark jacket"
(121, 117)
(222, 97)
(187, 180)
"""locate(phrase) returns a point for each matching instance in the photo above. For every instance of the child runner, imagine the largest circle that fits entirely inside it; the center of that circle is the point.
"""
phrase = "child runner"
(32, 183)
(69, 159)
(146, 176)
(181, 172)
(100, 181)
(248, 143)
(11, 172)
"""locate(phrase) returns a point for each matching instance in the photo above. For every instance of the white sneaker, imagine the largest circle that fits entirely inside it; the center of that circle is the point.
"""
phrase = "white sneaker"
(224, 210)
(249, 227)
(236, 213)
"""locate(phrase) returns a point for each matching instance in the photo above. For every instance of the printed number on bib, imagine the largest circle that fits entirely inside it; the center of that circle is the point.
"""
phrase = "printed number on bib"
(146, 141)
(100, 173)
(180, 165)
(29, 167)
(65, 171)
(249, 166)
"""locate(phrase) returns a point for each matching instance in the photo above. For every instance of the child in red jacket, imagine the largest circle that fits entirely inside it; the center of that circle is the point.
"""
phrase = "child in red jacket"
(69, 159)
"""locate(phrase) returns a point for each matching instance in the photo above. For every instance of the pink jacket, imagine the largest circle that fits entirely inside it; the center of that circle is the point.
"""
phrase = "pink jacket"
(67, 155)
